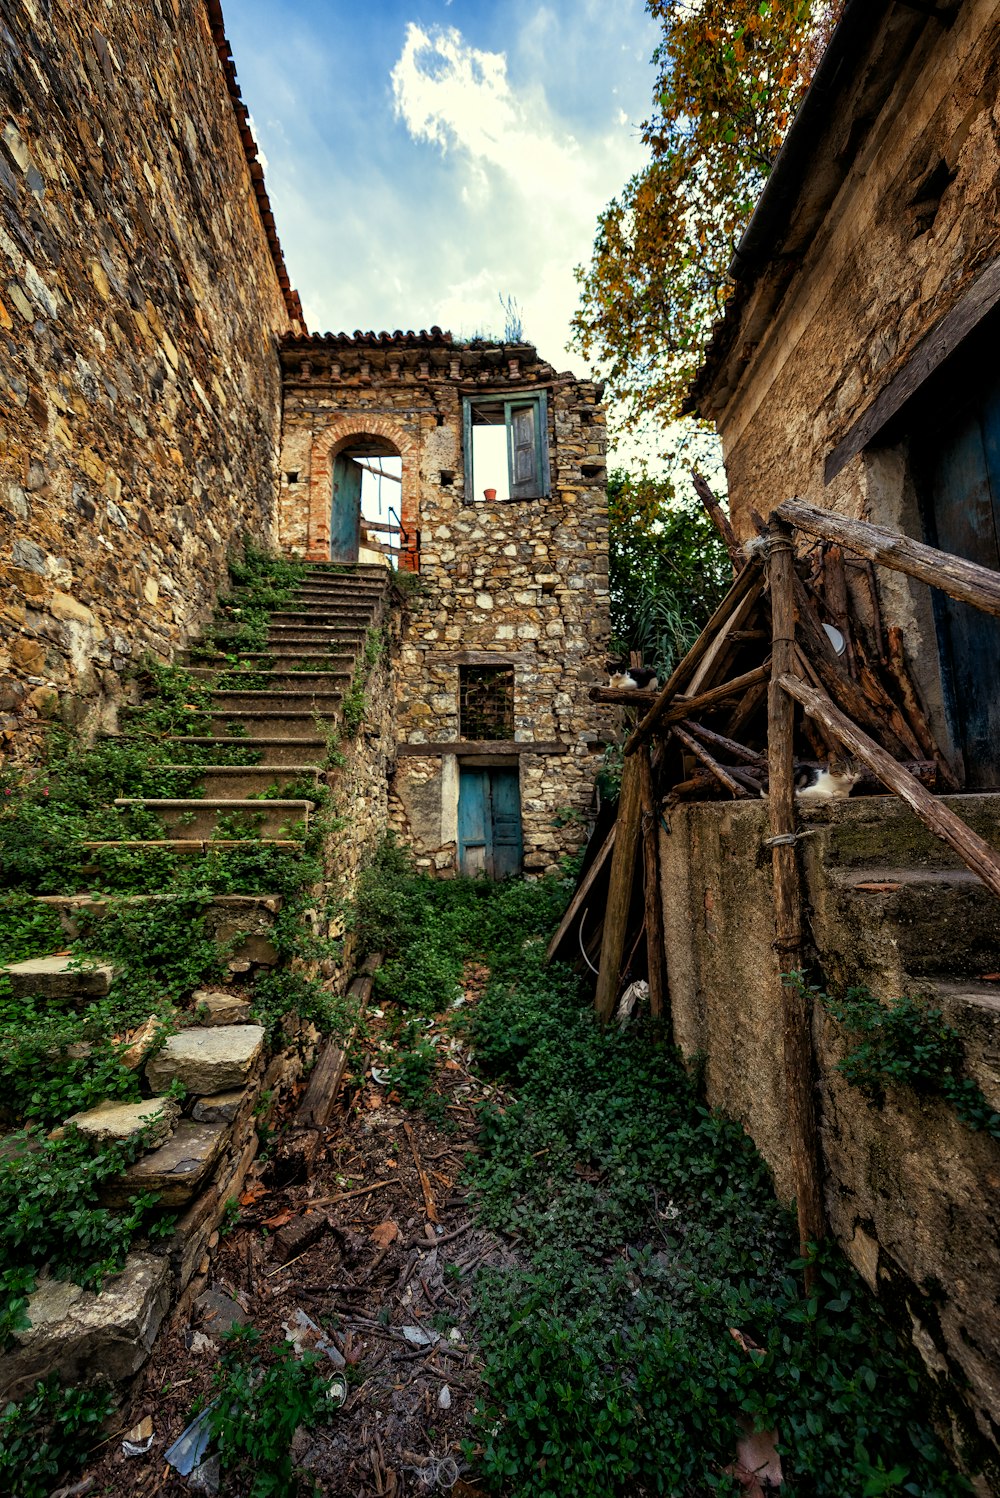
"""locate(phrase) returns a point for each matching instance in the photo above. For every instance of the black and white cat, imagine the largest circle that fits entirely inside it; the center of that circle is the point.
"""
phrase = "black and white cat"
(634, 678)
(834, 783)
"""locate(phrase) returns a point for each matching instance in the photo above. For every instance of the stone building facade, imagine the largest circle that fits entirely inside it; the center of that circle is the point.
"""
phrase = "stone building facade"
(142, 296)
(510, 599)
(865, 306)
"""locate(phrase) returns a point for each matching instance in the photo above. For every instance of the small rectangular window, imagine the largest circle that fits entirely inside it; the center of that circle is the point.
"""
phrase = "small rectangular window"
(486, 702)
(506, 446)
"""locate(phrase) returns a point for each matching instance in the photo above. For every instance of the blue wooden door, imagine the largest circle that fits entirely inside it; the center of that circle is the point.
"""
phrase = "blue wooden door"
(489, 823)
(345, 511)
(965, 500)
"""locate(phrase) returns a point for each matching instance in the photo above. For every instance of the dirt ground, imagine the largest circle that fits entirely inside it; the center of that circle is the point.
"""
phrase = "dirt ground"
(380, 1238)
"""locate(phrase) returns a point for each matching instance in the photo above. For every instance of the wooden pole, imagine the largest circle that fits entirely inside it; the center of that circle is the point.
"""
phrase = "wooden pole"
(575, 906)
(620, 890)
(748, 580)
(966, 581)
(655, 948)
(970, 847)
(720, 520)
(728, 746)
(800, 1094)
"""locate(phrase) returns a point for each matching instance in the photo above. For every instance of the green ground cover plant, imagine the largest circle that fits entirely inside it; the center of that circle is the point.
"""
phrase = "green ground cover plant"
(41, 1435)
(659, 1313)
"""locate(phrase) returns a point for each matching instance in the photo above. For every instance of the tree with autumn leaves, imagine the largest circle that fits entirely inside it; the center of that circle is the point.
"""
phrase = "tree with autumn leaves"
(729, 76)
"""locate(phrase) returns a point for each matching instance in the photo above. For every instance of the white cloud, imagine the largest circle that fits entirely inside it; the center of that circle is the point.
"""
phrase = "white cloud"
(529, 187)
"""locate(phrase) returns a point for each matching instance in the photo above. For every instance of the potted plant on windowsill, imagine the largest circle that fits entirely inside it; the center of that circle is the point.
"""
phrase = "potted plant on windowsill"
(489, 494)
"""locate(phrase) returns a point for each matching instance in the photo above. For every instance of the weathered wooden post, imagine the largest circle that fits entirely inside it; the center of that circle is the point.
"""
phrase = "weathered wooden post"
(798, 1050)
(655, 950)
(620, 889)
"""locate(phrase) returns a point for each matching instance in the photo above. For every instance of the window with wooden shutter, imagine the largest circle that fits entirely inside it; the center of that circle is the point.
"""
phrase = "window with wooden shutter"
(506, 447)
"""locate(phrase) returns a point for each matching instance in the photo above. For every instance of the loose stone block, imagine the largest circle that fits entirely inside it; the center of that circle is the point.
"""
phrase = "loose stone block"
(115, 1122)
(207, 1060)
(215, 1008)
(175, 1171)
(222, 1107)
(59, 978)
(77, 1333)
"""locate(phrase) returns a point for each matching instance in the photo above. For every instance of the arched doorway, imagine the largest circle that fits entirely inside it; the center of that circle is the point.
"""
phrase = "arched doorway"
(365, 501)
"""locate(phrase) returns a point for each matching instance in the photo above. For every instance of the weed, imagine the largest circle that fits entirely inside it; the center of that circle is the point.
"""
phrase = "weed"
(42, 1436)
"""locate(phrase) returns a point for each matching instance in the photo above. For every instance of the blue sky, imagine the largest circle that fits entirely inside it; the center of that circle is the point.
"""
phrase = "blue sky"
(423, 157)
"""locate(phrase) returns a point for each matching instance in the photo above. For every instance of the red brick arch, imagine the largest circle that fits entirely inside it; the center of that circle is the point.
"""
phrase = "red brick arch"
(339, 434)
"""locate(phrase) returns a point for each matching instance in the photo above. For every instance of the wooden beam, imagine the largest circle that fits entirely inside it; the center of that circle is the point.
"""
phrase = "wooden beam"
(731, 747)
(620, 890)
(721, 774)
(465, 747)
(974, 852)
(748, 580)
(716, 658)
(655, 949)
(622, 696)
(701, 702)
(800, 1096)
(930, 353)
(575, 905)
(966, 581)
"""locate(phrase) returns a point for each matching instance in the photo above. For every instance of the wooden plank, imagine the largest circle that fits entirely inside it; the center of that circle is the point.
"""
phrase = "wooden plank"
(620, 890)
(966, 581)
(714, 768)
(748, 581)
(974, 852)
(462, 747)
(796, 1028)
(623, 696)
(575, 905)
(930, 353)
(720, 652)
(685, 706)
(655, 949)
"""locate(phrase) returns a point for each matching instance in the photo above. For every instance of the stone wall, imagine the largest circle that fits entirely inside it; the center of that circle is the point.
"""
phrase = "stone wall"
(910, 1191)
(858, 278)
(140, 307)
(522, 583)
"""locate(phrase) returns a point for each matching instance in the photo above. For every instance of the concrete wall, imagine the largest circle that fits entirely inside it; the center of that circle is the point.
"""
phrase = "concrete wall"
(522, 583)
(910, 1191)
(140, 307)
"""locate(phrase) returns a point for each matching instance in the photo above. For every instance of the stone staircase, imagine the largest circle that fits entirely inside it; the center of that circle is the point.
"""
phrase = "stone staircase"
(895, 909)
(197, 1155)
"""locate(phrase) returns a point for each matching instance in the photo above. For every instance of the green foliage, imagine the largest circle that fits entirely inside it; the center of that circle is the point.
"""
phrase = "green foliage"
(260, 1403)
(648, 1229)
(54, 1064)
(668, 570)
(355, 702)
(283, 992)
(50, 1214)
(730, 74)
(27, 929)
(160, 948)
(41, 1437)
(906, 1042)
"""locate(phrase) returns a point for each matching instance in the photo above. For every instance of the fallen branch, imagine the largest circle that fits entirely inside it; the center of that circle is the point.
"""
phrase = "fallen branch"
(425, 1185)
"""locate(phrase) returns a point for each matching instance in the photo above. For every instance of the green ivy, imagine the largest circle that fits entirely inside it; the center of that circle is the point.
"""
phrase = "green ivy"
(907, 1042)
(43, 1435)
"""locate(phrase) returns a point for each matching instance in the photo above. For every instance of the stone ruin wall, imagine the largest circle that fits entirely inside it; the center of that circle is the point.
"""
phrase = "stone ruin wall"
(525, 582)
(140, 306)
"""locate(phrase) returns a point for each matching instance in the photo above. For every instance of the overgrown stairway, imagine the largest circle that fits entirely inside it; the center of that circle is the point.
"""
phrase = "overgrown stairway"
(277, 710)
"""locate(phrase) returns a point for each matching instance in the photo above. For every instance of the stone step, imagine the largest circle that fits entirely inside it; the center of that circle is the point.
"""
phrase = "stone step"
(61, 977)
(198, 819)
(194, 844)
(973, 1009)
(322, 614)
(881, 831)
(177, 1170)
(346, 569)
(312, 657)
(242, 781)
(207, 1059)
(334, 637)
(114, 1122)
(914, 922)
(72, 1331)
(325, 703)
(274, 722)
(246, 920)
(277, 681)
(276, 752)
(335, 598)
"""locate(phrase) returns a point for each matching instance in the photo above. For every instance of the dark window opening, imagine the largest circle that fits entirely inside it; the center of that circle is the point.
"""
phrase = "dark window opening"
(293, 477)
(506, 447)
(486, 702)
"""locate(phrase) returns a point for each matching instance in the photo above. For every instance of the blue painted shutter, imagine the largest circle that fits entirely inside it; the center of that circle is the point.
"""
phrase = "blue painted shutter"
(522, 437)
